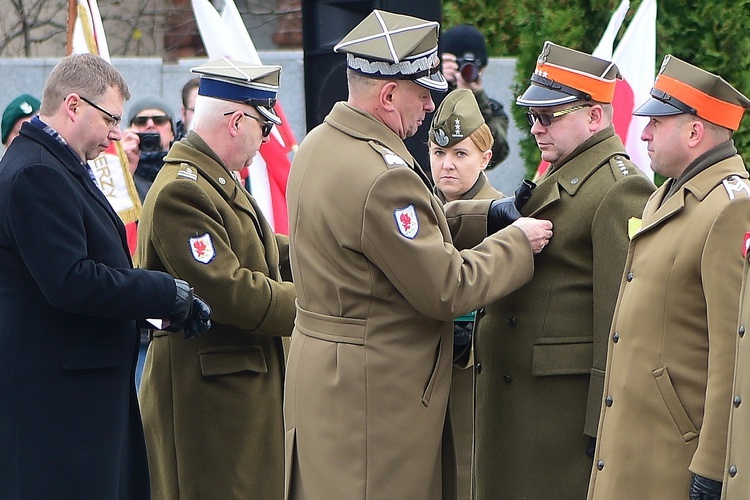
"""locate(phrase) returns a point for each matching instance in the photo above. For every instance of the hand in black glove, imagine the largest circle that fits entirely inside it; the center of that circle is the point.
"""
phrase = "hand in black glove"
(505, 211)
(502, 214)
(190, 313)
(703, 488)
(523, 193)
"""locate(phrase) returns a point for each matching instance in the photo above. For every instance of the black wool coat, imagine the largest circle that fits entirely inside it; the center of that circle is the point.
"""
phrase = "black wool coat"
(69, 301)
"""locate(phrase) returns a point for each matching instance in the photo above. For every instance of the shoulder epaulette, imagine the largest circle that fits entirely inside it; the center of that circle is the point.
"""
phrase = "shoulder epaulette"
(621, 167)
(187, 171)
(735, 185)
(390, 158)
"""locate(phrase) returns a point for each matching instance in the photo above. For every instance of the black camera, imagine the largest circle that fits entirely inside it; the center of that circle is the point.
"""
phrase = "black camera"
(468, 68)
(150, 141)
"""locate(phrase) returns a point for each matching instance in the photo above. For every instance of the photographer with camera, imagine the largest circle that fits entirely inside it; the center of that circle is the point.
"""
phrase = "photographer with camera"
(147, 140)
(464, 59)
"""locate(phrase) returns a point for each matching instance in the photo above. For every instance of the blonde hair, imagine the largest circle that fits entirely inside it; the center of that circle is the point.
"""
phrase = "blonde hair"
(482, 138)
(85, 74)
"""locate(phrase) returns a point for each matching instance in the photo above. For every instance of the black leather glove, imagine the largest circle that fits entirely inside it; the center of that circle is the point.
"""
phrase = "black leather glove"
(505, 211)
(523, 193)
(703, 488)
(462, 333)
(190, 314)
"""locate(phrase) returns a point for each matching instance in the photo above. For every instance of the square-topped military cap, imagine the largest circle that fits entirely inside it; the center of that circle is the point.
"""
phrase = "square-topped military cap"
(457, 117)
(681, 87)
(394, 46)
(564, 75)
(252, 84)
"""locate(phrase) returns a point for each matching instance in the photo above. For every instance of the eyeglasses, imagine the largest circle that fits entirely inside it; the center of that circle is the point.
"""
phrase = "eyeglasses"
(141, 121)
(112, 120)
(546, 118)
(265, 125)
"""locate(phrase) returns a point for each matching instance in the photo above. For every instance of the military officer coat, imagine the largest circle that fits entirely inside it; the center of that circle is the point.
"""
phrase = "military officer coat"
(378, 285)
(540, 352)
(737, 468)
(672, 344)
(211, 405)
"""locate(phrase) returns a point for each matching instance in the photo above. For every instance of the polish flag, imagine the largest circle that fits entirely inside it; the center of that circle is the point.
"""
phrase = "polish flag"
(635, 56)
(225, 35)
(86, 35)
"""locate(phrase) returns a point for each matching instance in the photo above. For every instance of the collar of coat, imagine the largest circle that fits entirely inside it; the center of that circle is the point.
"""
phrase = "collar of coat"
(482, 189)
(658, 209)
(363, 126)
(712, 156)
(571, 175)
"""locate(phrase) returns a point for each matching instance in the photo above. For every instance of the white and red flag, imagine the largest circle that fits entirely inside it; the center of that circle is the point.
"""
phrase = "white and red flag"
(225, 35)
(86, 35)
(635, 57)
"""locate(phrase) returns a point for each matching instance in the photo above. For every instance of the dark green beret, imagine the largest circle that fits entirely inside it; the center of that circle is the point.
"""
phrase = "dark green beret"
(22, 106)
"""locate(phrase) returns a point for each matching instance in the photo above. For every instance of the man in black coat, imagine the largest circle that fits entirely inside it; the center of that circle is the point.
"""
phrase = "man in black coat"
(69, 301)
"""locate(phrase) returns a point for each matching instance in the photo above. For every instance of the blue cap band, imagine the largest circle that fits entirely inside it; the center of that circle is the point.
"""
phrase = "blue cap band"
(227, 91)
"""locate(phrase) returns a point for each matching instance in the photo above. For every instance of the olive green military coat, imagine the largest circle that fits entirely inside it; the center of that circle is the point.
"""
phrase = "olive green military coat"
(540, 352)
(461, 403)
(212, 406)
(671, 351)
(378, 285)
(737, 467)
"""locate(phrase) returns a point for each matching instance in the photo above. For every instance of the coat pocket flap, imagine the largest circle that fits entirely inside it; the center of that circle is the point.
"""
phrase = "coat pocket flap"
(228, 360)
(562, 356)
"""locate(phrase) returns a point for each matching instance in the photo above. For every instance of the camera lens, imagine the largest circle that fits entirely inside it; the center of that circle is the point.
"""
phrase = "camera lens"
(150, 141)
(469, 72)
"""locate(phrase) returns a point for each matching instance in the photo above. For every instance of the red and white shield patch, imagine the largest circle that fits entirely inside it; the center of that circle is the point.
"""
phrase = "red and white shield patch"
(202, 248)
(406, 221)
(746, 245)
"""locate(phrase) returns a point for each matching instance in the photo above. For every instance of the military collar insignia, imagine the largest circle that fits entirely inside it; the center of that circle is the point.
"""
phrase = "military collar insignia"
(733, 185)
(187, 172)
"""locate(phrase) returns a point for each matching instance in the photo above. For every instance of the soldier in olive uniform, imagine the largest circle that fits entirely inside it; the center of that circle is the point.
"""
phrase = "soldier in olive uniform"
(540, 351)
(379, 281)
(212, 407)
(460, 150)
(737, 469)
(668, 386)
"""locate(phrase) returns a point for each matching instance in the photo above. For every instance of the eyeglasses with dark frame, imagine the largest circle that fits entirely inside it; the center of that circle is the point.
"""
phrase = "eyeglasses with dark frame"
(112, 119)
(546, 118)
(141, 121)
(265, 125)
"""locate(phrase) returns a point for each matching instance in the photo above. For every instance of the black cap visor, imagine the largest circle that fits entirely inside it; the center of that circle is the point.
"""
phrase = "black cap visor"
(537, 96)
(663, 104)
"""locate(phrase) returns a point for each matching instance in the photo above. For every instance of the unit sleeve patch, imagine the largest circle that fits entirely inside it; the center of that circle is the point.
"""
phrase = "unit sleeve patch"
(202, 248)
(406, 221)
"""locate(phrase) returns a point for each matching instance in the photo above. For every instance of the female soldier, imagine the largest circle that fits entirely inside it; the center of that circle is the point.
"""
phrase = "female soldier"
(460, 145)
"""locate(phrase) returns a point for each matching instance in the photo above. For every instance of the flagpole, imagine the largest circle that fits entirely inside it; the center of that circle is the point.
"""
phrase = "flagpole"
(72, 16)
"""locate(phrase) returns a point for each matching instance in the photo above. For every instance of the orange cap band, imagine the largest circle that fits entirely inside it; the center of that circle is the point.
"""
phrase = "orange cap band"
(710, 108)
(599, 89)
